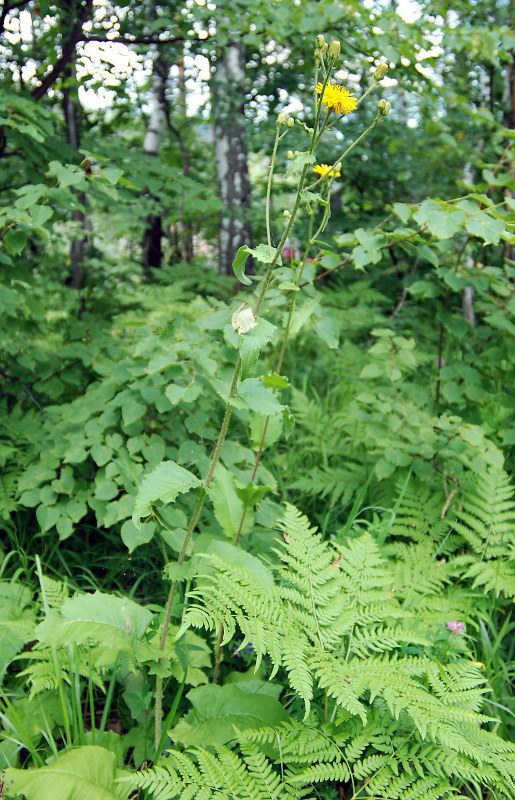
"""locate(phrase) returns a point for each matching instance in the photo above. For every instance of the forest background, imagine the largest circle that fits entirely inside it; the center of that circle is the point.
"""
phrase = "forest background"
(148, 445)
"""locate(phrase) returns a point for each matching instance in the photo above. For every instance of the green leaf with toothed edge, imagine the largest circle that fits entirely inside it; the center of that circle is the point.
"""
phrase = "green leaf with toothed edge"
(164, 483)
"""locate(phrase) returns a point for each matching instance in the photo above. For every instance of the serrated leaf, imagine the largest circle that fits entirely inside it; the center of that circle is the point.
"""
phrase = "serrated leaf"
(486, 227)
(442, 220)
(299, 162)
(403, 211)
(164, 483)
(255, 395)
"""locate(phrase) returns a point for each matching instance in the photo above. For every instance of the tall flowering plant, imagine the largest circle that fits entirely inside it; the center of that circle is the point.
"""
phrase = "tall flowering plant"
(332, 101)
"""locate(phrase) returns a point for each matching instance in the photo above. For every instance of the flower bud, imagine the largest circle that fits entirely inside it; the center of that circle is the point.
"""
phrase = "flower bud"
(290, 154)
(383, 107)
(243, 319)
(380, 72)
(334, 49)
(290, 122)
(281, 119)
(320, 41)
(286, 213)
(325, 48)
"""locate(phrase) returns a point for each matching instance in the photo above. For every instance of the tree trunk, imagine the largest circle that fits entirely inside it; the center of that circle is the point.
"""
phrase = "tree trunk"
(71, 110)
(231, 154)
(156, 129)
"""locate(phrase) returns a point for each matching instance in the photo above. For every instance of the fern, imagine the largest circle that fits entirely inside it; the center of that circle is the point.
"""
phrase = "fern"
(496, 576)
(202, 775)
(486, 520)
(331, 621)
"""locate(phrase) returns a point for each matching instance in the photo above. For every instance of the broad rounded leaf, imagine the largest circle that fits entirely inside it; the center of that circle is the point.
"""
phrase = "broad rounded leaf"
(87, 773)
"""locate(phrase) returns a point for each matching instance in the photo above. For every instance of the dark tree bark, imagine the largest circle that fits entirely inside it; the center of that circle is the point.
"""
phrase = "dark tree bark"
(156, 129)
(80, 243)
(71, 112)
(231, 154)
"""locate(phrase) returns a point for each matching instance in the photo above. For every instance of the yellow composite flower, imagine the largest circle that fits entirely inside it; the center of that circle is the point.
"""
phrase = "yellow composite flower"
(337, 97)
(326, 171)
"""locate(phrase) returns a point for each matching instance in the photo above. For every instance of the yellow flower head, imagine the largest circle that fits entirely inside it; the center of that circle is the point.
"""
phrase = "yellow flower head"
(337, 97)
(326, 171)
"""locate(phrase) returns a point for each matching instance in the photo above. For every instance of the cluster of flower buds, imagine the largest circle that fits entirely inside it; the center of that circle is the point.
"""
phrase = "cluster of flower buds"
(383, 107)
(322, 48)
(284, 119)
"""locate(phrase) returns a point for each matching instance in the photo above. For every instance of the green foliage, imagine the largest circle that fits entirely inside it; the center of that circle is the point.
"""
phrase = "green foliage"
(371, 656)
(405, 697)
(88, 773)
(224, 775)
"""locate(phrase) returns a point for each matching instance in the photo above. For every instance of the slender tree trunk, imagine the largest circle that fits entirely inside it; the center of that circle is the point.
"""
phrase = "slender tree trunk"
(156, 130)
(80, 242)
(231, 154)
(509, 122)
(184, 228)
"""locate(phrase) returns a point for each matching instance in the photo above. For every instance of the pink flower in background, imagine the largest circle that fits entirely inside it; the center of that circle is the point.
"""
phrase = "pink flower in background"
(456, 627)
(288, 253)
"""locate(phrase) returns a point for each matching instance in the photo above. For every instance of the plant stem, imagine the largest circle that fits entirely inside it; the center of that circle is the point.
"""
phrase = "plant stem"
(269, 191)
(182, 554)
(57, 668)
(227, 416)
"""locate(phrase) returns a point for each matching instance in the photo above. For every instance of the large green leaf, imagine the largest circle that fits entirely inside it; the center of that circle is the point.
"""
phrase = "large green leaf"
(256, 396)
(219, 710)
(87, 773)
(486, 227)
(442, 219)
(164, 483)
(115, 623)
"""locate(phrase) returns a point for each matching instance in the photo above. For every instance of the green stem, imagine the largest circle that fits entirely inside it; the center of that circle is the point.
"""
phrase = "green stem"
(370, 89)
(57, 669)
(108, 702)
(269, 192)
(225, 423)
(182, 554)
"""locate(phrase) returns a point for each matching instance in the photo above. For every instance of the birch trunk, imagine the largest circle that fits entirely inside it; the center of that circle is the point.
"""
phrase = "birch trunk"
(156, 129)
(231, 154)
(80, 242)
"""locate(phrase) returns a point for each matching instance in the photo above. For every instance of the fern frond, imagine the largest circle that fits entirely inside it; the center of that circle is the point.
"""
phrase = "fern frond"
(496, 575)
(56, 592)
(486, 520)
(203, 775)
